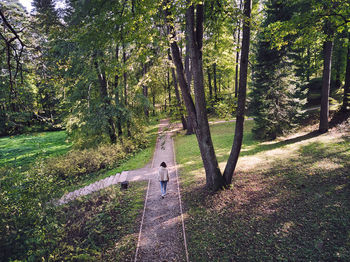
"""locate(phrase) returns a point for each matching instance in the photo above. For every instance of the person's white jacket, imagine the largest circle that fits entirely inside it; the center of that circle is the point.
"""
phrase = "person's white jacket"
(163, 174)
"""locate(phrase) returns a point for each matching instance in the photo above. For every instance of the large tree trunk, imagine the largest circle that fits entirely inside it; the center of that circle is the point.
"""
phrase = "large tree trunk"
(237, 141)
(106, 102)
(214, 179)
(326, 79)
(188, 73)
(347, 83)
(177, 94)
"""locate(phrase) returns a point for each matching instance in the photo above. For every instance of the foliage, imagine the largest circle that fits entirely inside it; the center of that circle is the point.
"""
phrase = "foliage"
(78, 163)
(276, 99)
(224, 107)
(30, 227)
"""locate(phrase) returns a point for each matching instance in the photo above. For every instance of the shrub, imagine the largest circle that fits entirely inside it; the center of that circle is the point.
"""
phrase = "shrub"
(28, 224)
(81, 162)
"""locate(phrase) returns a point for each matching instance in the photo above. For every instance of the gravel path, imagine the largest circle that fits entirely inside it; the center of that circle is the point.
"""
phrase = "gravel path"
(162, 231)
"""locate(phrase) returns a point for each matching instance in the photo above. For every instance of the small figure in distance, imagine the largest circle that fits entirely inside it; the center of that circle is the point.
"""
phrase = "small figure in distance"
(163, 177)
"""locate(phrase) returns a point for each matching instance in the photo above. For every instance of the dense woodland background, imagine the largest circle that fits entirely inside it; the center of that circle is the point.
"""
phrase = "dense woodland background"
(102, 70)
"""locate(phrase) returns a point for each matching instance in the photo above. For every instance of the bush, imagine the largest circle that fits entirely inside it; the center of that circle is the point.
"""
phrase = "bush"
(81, 162)
(226, 107)
(28, 224)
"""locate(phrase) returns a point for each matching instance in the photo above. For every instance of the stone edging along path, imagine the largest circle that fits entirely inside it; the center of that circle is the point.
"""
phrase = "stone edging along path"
(162, 231)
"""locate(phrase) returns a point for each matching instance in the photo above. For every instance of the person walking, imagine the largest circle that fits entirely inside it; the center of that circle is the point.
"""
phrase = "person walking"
(163, 177)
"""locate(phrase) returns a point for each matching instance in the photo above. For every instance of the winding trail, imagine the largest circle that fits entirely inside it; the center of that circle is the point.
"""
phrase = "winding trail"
(162, 232)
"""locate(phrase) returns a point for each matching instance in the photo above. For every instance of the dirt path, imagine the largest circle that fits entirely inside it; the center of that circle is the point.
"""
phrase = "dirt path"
(161, 232)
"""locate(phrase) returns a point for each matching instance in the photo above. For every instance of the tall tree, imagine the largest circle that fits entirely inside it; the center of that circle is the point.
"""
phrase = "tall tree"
(243, 74)
(197, 110)
(274, 101)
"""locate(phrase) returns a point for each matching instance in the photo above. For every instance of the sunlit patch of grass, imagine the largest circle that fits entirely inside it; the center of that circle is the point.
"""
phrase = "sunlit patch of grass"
(289, 199)
(22, 150)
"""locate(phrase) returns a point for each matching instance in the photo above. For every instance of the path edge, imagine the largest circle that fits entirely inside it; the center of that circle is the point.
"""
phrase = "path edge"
(181, 211)
(143, 216)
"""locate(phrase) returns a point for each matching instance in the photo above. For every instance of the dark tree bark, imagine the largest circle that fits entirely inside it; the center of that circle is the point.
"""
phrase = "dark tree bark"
(237, 141)
(169, 93)
(106, 101)
(188, 73)
(326, 79)
(145, 92)
(214, 179)
(154, 104)
(237, 53)
(125, 76)
(13, 99)
(347, 83)
(117, 96)
(215, 82)
(177, 94)
(210, 87)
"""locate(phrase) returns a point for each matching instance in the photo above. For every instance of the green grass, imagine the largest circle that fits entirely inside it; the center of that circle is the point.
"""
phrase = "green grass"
(100, 227)
(290, 199)
(22, 150)
(29, 225)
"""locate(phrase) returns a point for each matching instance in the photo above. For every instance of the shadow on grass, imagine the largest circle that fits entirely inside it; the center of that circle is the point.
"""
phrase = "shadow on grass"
(265, 147)
(298, 210)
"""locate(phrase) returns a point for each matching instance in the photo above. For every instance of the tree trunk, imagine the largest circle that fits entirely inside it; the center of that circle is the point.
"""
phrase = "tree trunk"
(125, 76)
(106, 102)
(169, 93)
(237, 53)
(326, 78)
(209, 84)
(215, 83)
(117, 96)
(188, 73)
(214, 179)
(178, 98)
(145, 93)
(154, 104)
(243, 74)
(197, 111)
(347, 82)
(308, 65)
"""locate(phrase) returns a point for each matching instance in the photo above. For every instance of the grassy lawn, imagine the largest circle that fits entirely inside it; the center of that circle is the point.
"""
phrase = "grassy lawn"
(22, 150)
(100, 227)
(290, 199)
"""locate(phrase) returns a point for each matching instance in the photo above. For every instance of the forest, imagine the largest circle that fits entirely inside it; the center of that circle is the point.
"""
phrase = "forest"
(84, 84)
